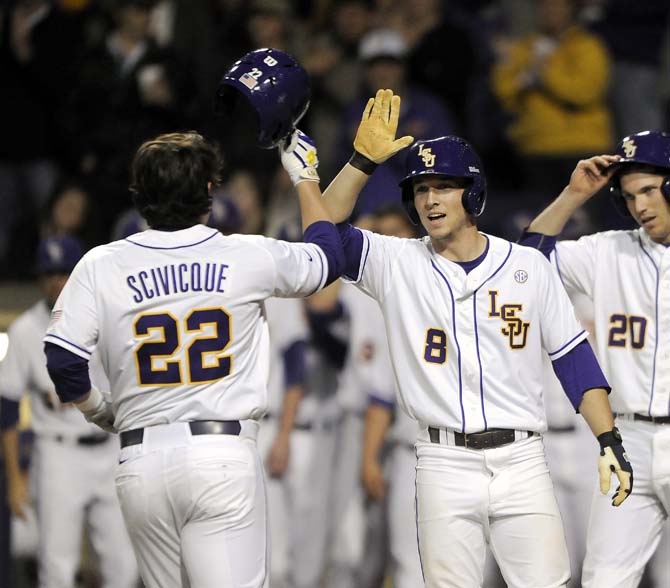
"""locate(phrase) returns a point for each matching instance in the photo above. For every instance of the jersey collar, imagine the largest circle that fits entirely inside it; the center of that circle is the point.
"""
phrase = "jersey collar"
(498, 253)
(153, 239)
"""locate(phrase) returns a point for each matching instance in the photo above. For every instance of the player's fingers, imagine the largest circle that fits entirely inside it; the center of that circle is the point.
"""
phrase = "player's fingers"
(368, 109)
(591, 168)
(377, 106)
(624, 489)
(394, 115)
(604, 474)
(386, 104)
(18, 511)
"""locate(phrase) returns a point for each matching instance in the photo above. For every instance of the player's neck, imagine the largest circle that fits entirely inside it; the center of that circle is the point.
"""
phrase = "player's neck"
(466, 245)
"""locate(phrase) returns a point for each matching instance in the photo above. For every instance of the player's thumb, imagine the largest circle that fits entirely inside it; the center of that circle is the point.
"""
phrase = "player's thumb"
(402, 143)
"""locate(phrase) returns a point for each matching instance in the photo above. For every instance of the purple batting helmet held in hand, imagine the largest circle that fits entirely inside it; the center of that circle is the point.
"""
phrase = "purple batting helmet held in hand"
(647, 148)
(445, 156)
(274, 84)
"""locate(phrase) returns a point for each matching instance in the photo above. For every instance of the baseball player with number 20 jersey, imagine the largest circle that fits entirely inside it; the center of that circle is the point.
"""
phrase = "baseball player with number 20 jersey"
(468, 318)
(176, 313)
(626, 276)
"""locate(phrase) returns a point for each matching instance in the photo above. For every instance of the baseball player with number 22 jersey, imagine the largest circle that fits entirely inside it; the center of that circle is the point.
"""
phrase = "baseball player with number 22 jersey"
(176, 313)
(468, 318)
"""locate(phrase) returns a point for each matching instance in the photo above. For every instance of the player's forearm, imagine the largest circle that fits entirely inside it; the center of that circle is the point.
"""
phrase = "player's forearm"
(377, 421)
(292, 399)
(10, 451)
(595, 408)
(312, 207)
(341, 195)
(553, 219)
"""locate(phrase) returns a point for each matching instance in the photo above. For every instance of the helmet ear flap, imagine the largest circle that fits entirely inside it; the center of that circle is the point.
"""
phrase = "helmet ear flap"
(474, 201)
(665, 188)
(408, 203)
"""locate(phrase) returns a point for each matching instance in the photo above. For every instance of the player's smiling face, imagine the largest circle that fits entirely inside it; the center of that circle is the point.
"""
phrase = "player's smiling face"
(646, 203)
(438, 202)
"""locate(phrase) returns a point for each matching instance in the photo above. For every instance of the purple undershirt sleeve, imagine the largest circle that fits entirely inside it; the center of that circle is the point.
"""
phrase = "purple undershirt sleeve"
(68, 372)
(352, 243)
(544, 243)
(379, 401)
(325, 235)
(330, 331)
(9, 414)
(579, 371)
(294, 364)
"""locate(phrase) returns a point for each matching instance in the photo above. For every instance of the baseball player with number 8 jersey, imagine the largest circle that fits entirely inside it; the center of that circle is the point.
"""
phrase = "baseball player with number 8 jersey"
(626, 276)
(469, 318)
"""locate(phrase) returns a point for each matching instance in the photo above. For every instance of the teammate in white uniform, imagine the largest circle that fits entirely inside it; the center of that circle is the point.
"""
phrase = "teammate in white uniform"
(382, 420)
(626, 275)
(73, 462)
(176, 313)
(288, 336)
(468, 318)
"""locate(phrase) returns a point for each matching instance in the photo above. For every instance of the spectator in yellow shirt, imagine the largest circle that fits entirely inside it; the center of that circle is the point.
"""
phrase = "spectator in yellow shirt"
(553, 83)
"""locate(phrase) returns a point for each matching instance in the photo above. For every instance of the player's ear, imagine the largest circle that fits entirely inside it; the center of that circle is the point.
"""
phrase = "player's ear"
(209, 187)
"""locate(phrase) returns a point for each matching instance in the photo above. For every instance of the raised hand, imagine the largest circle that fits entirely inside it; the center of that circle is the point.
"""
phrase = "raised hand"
(591, 175)
(375, 138)
(299, 158)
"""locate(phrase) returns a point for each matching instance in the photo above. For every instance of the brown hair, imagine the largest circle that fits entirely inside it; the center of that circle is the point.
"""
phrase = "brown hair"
(170, 176)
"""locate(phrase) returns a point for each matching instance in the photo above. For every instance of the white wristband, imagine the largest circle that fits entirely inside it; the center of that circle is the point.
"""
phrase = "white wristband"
(93, 403)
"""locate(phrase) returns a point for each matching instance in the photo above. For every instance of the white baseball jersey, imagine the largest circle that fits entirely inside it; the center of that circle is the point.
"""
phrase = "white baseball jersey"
(288, 325)
(363, 342)
(372, 370)
(179, 316)
(24, 370)
(627, 276)
(467, 349)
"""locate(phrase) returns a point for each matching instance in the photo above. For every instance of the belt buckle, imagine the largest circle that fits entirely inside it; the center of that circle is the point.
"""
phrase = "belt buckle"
(465, 440)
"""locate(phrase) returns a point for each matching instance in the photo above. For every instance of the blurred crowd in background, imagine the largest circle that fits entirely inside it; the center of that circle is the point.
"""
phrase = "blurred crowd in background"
(534, 85)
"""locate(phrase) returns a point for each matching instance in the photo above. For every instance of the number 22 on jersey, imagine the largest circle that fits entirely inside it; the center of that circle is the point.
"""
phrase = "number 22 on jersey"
(202, 361)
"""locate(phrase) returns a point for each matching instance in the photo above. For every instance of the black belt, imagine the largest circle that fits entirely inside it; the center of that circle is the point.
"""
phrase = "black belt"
(86, 440)
(482, 440)
(648, 419)
(136, 436)
(565, 429)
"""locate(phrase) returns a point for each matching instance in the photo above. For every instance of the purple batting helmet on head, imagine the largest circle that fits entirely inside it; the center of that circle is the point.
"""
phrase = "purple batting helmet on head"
(647, 148)
(274, 84)
(58, 255)
(445, 156)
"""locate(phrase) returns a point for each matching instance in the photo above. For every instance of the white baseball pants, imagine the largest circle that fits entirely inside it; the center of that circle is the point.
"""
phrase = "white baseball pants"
(74, 487)
(402, 518)
(622, 540)
(468, 497)
(194, 506)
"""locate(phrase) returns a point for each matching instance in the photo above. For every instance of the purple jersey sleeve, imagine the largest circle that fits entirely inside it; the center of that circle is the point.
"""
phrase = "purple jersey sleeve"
(352, 243)
(543, 243)
(9, 413)
(579, 371)
(325, 235)
(69, 373)
(294, 364)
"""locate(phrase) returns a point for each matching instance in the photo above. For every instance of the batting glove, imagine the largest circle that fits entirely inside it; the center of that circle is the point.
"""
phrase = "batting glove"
(613, 459)
(298, 156)
(375, 139)
(98, 410)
